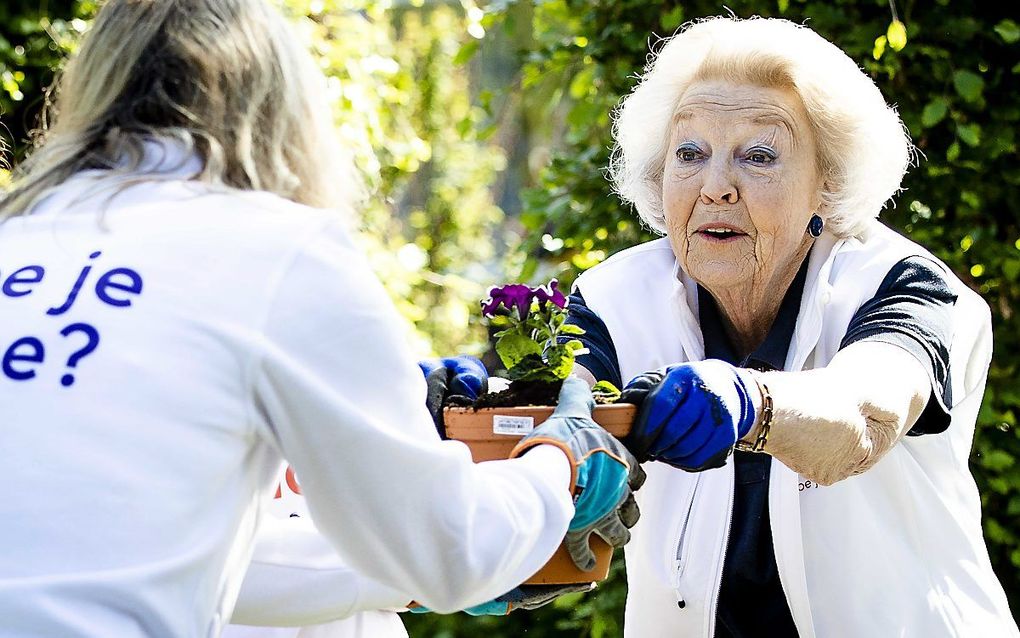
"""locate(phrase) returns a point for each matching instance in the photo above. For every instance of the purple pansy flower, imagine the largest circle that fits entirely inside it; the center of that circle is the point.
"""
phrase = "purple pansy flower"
(520, 296)
(549, 293)
(532, 326)
(509, 296)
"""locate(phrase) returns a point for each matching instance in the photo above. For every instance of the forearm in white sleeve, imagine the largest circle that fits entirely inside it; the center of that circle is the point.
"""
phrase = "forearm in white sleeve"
(297, 578)
(336, 389)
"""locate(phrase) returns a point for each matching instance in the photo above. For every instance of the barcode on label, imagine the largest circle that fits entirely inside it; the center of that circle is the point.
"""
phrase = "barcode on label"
(512, 425)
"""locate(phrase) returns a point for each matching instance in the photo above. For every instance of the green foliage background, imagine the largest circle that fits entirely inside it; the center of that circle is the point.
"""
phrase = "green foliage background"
(485, 131)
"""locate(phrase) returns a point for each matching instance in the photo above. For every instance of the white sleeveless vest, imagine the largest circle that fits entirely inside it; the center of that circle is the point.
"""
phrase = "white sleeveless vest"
(896, 551)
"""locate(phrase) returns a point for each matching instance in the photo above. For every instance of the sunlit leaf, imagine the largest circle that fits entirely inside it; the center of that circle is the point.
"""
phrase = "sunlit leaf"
(582, 84)
(1008, 30)
(953, 152)
(879, 48)
(969, 133)
(896, 35)
(513, 347)
(934, 112)
(466, 52)
(571, 329)
(1011, 268)
(672, 19)
(969, 85)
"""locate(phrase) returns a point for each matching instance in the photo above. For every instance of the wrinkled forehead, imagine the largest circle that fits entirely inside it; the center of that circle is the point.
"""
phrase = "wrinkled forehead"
(729, 106)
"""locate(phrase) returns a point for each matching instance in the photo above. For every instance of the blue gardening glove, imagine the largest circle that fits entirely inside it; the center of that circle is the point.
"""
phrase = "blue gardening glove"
(691, 415)
(603, 473)
(523, 597)
(452, 380)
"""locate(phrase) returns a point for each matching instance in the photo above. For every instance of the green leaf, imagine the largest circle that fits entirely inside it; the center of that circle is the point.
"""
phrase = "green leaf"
(934, 112)
(674, 18)
(531, 368)
(969, 85)
(606, 391)
(560, 359)
(1008, 30)
(879, 48)
(784, 5)
(1011, 268)
(571, 329)
(969, 133)
(605, 386)
(466, 52)
(486, 133)
(971, 198)
(583, 82)
(953, 152)
(513, 347)
(997, 460)
(896, 35)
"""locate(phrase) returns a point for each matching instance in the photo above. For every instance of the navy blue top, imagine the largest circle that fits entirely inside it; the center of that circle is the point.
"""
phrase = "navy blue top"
(912, 309)
(751, 598)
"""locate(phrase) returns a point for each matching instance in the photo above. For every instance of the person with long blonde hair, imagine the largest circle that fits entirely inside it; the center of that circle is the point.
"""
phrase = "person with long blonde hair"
(183, 309)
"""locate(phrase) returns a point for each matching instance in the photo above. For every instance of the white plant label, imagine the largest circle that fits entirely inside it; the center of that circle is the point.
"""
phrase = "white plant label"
(512, 425)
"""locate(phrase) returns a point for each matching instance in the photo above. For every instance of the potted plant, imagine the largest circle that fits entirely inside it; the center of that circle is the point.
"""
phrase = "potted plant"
(534, 344)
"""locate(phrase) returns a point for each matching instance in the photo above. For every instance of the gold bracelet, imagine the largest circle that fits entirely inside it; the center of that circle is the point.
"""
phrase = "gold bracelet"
(766, 421)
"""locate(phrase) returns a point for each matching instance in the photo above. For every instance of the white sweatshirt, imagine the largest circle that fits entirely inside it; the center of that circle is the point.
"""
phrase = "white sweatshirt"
(159, 359)
(296, 575)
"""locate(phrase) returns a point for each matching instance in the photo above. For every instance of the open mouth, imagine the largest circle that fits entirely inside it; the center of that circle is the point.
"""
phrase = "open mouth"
(720, 234)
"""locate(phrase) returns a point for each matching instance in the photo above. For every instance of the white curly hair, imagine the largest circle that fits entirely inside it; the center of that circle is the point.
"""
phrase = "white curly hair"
(863, 147)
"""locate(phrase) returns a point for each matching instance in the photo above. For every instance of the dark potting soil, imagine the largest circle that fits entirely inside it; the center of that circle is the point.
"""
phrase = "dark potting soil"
(521, 393)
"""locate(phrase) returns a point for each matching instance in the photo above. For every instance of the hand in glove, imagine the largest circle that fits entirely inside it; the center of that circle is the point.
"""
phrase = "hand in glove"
(459, 380)
(691, 415)
(603, 472)
(523, 597)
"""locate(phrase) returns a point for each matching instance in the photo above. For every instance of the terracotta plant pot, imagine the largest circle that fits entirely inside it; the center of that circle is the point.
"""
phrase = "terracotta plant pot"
(491, 433)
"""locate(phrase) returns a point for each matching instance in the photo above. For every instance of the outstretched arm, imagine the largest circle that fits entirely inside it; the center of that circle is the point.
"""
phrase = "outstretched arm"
(838, 421)
(296, 578)
(337, 392)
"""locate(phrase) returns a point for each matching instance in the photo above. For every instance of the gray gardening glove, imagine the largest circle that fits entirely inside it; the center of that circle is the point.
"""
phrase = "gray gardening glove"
(603, 473)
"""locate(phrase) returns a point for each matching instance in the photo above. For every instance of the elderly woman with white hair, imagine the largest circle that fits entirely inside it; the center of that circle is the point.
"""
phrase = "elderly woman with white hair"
(844, 363)
(176, 240)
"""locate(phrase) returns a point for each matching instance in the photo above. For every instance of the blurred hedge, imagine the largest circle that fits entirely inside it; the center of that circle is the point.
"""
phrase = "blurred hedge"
(34, 38)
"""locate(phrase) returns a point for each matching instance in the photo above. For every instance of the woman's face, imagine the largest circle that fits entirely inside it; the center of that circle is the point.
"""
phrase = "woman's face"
(740, 184)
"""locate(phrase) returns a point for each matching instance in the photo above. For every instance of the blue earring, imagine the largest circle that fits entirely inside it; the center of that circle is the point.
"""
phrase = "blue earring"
(815, 226)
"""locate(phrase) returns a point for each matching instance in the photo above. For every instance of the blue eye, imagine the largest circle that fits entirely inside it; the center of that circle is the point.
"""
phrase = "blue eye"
(689, 153)
(760, 155)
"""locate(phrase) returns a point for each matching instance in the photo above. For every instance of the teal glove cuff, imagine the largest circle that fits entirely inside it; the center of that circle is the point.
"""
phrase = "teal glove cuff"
(601, 486)
(491, 608)
(523, 597)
